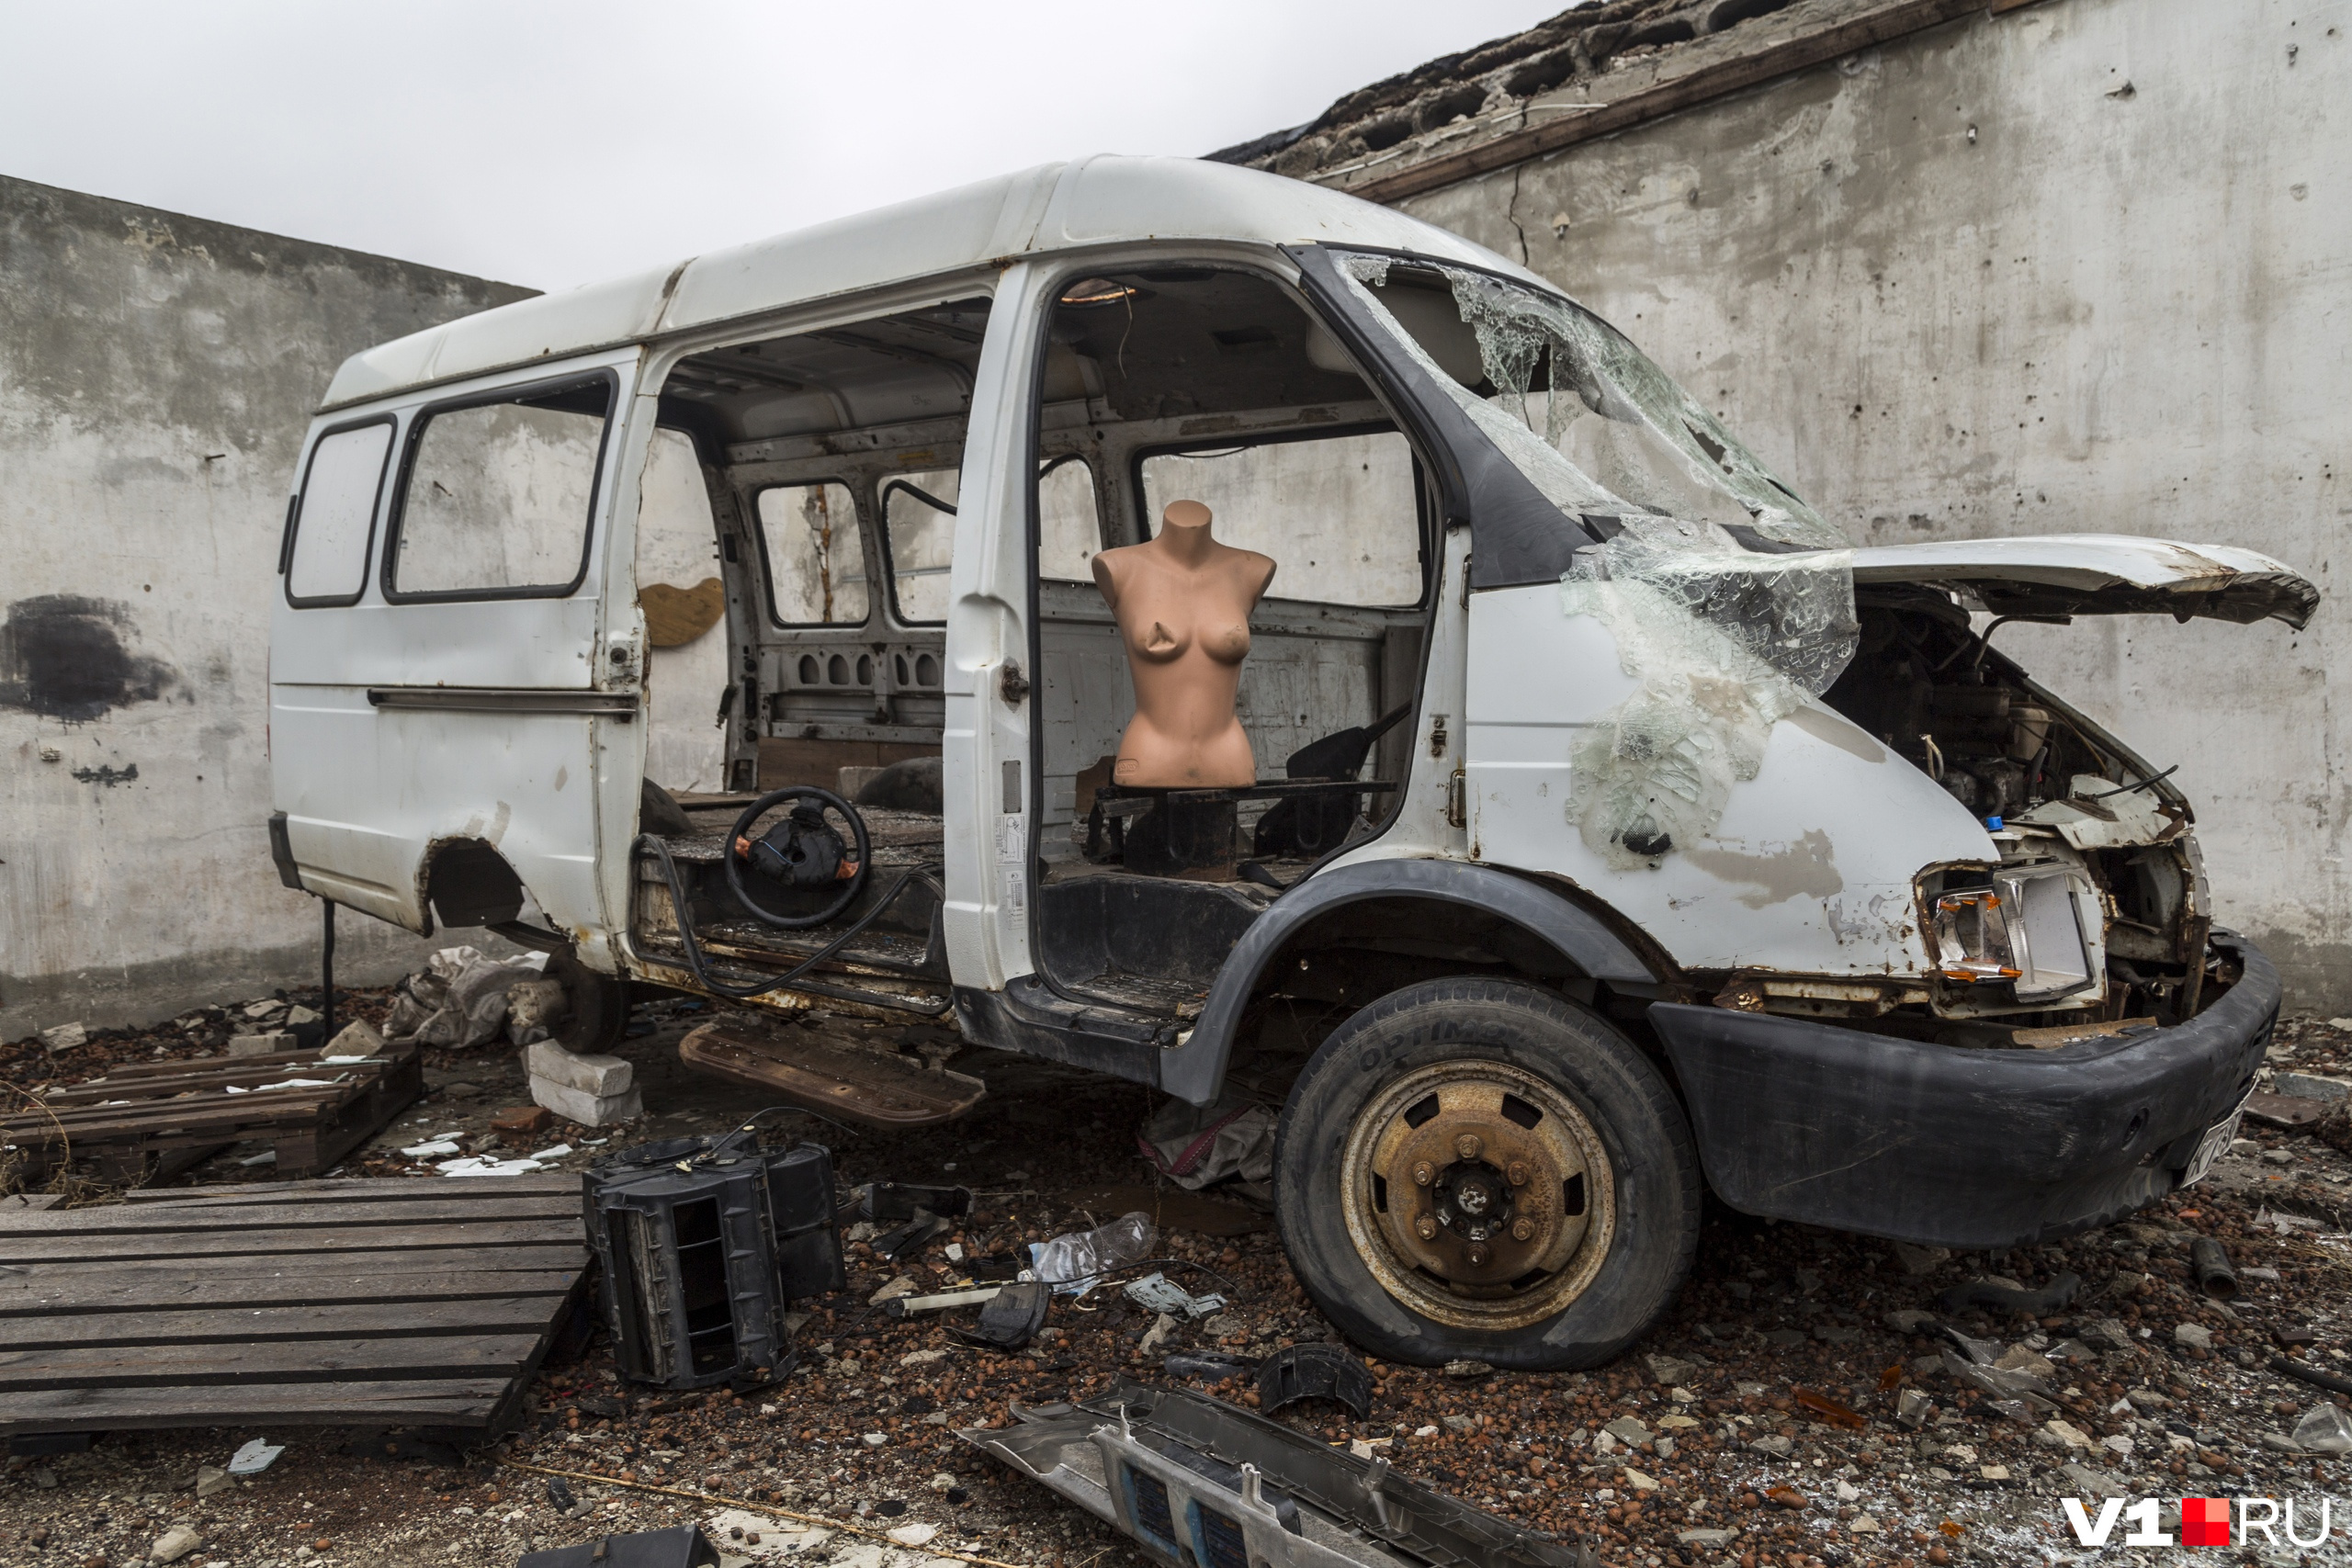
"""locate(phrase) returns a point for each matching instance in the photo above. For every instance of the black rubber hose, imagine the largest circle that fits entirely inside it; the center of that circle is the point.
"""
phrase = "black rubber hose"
(701, 966)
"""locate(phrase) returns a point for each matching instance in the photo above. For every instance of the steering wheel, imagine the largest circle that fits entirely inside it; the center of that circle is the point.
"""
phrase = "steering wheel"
(802, 851)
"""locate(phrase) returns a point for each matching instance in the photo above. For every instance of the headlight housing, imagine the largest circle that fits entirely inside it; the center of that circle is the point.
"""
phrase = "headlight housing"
(2033, 927)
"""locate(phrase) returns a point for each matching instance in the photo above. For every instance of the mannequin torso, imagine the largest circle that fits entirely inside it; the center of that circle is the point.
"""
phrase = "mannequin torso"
(1183, 602)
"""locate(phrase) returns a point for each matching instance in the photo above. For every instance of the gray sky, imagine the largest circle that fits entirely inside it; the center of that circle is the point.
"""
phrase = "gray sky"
(553, 145)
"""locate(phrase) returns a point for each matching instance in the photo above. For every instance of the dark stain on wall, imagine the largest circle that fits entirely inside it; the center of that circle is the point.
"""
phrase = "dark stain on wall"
(62, 656)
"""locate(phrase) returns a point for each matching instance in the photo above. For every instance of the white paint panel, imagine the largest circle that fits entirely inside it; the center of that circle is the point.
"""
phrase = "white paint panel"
(1810, 867)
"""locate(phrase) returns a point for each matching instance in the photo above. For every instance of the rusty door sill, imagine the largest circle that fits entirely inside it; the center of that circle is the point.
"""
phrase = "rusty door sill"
(864, 1086)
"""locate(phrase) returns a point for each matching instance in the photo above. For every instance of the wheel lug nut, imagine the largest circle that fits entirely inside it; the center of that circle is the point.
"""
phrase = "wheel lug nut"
(1467, 1145)
(1517, 1174)
(1522, 1229)
(1478, 1256)
(1426, 1229)
(1423, 1173)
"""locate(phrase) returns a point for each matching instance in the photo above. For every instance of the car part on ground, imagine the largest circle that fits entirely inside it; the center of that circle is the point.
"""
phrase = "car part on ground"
(2210, 1262)
(1315, 1371)
(1011, 1317)
(702, 1241)
(904, 1200)
(1194, 1480)
(683, 1547)
(836, 1078)
(2011, 1298)
(1477, 1169)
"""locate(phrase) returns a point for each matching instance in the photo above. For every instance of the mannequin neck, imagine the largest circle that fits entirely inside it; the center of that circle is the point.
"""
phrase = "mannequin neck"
(1190, 545)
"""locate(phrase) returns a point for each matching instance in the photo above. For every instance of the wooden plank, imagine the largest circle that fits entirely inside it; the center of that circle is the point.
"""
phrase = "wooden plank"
(347, 1188)
(122, 1219)
(220, 1324)
(440, 1402)
(169, 1288)
(18, 1248)
(177, 1366)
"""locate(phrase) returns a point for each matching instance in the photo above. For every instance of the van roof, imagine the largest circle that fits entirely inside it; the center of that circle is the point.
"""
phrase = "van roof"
(1055, 206)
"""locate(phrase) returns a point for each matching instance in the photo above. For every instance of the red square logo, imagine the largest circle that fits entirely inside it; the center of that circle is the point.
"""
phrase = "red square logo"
(2204, 1521)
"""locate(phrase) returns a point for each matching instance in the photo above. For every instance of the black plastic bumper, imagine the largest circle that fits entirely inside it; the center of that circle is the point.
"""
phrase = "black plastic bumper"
(1952, 1148)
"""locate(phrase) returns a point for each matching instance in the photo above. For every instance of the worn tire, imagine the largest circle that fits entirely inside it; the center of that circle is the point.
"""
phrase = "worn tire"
(1622, 1096)
(599, 1006)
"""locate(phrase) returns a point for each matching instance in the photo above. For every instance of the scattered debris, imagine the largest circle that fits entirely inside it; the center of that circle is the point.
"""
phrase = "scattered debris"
(1210, 1366)
(946, 1300)
(1191, 1479)
(2210, 1262)
(1196, 1146)
(887, 1200)
(2001, 1297)
(2324, 1429)
(1156, 1293)
(255, 1457)
(1075, 1263)
(459, 998)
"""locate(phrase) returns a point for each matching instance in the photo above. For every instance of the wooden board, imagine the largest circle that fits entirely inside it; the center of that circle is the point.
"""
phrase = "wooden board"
(148, 1120)
(340, 1303)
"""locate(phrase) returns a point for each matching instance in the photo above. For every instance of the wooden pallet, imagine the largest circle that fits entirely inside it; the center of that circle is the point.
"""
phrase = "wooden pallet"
(149, 1120)
(356, 1303)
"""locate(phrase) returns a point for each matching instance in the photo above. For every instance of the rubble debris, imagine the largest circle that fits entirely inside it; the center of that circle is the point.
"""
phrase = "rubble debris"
(685, 1547)
(2288, 1367)
(2209, 1262)
(1075, 1263)
(536, 1010)
(173, 1544)
(255, 1457)
(1196, 1146)
(1156, 1293)
(2324, 1429)
(1999, 1297)
(681, 1222)
(64, 1037)
(269, 1044)
(582, 1087)
(1191, 1479)
(1315, 1371)
(921, 1229)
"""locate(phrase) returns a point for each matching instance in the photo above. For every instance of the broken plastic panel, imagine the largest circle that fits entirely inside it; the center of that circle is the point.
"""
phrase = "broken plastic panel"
(1731, 602)
(1200, 1483)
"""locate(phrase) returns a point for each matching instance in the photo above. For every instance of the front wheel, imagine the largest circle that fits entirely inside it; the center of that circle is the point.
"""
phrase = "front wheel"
(1477, 1169)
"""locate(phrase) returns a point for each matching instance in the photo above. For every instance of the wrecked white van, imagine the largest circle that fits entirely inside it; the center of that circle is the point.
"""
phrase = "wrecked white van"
(1618, 827)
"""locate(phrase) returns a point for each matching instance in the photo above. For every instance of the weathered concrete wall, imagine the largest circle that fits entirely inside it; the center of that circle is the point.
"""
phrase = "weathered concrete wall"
(2083, 268)
(156, 373)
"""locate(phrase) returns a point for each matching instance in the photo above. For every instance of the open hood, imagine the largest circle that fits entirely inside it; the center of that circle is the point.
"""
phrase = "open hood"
(2099, 574)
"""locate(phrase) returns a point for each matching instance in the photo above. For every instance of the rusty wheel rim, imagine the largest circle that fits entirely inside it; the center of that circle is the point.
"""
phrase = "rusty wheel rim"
(1478, 1195)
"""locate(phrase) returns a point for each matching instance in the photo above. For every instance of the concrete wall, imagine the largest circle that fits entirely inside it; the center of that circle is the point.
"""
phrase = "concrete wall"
(2086, 266)
(156, 373)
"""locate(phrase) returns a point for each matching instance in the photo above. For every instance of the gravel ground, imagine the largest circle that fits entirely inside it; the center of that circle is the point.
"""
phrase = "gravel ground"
(1792, 1409)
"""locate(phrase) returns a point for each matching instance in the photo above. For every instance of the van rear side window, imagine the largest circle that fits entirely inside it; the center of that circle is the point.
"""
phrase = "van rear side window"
(496, 499)
(336, 517)
(816, 555)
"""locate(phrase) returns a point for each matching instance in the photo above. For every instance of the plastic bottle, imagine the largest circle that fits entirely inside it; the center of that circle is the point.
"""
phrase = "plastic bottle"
(1074, 1264)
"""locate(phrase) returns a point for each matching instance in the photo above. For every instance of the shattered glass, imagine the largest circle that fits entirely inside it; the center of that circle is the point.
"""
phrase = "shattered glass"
(1731, 602)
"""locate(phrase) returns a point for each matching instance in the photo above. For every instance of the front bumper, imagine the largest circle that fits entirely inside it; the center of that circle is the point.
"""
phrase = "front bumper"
(1954, 1147)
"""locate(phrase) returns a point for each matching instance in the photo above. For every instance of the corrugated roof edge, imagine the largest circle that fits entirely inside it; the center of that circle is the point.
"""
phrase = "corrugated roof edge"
(1099, 201)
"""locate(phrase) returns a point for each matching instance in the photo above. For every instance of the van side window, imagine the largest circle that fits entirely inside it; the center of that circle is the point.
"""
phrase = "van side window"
(1337, 512)
(496, 499)
(336, 515)
(1069, 525)
(814, 555)
(919, 523)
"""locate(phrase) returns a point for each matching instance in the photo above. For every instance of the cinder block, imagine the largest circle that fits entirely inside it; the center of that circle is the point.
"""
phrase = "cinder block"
(262, 1045)
(355, 1039)
(588, 1110)
(603, 1076)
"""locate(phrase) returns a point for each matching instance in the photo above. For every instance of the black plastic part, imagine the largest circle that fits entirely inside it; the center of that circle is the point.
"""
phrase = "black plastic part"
(1315, 1371)
(1011, 1317)
(701, 1242)
(1177, 835)
(1951, 1147)
(685, 1547)
(1210, 1366)
(37, 1443)
(1197, 1072)
(281, 851)
(2210, 1262)
(1029, 1016)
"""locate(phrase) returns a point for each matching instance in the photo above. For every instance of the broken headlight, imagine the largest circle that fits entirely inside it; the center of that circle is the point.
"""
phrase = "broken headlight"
(2027, 928)
(1973, 938)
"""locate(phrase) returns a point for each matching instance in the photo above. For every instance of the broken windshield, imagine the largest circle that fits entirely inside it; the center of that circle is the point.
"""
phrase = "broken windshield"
(1730, 601)
(1586, 417)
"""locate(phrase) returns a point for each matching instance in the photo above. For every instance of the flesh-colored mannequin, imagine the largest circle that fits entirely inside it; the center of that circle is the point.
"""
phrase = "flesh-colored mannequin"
(1183, 602)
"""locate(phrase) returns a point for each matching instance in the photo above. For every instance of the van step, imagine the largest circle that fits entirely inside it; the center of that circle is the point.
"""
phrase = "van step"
(865, 1087)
